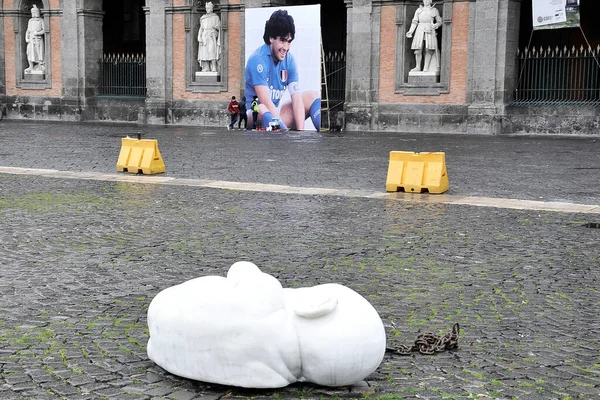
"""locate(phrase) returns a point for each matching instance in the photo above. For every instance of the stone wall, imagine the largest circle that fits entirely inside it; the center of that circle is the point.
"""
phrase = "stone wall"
(563, 120)
(117, 110)
(38, 107)
(449, 118)
(198, 113)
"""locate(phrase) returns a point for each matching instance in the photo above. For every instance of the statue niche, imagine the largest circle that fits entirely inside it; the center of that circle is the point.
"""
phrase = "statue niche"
(35, 40)
(423, 33)
(209, 43)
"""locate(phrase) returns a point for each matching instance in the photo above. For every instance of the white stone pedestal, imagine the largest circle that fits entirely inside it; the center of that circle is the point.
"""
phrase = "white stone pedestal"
(34, 75)
(423, 77)
(207, 77)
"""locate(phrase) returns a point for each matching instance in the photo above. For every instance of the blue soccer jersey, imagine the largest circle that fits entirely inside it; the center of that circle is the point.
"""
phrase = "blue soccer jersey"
(261, 70)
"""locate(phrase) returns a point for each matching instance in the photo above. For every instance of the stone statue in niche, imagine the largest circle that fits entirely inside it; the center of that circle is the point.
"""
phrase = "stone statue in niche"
(424, 38)
(34, 37)
(209, 36)
(247, 330)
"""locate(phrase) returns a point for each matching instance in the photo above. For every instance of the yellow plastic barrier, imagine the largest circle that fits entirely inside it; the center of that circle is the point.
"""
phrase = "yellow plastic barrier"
(140, 155)
(417, 172)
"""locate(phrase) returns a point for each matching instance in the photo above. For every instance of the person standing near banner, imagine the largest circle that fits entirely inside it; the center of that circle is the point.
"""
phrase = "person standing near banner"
(271, 70)
(243, 114)
(233, 108)
(254, 109)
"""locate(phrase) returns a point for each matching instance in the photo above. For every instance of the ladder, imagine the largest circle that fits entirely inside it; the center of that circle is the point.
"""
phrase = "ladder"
(325, 124)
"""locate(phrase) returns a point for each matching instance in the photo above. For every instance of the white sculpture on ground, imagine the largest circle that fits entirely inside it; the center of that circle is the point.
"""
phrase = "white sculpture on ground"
(246, 330)
(34, 37)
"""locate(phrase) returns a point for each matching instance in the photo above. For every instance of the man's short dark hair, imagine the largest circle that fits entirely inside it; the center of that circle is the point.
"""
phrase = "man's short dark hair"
(280, 24)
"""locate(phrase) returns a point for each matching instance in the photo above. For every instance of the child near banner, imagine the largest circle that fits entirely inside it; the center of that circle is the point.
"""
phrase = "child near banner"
(271, 70)
(242, 113)
(254, 109)
(232, 107)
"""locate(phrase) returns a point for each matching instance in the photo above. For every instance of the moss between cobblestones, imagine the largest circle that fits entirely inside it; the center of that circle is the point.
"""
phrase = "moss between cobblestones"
(52, 202)
(423, 267)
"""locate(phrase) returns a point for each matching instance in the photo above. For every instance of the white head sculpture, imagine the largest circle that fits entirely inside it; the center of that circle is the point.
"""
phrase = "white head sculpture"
(35, 11)
(209, 7)
(246, 330)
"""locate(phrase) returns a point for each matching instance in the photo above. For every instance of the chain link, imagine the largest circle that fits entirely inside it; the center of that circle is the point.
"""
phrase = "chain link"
(430, 343)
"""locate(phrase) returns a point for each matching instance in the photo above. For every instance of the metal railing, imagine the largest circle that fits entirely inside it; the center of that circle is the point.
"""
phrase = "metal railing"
(558, 76)
(335, 68)
(122, 75)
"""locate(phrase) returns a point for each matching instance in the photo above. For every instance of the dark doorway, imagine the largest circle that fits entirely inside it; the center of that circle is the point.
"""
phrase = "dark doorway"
(124, 27)
(589, 10)
(123, 62)
(333, 22)
(333, 36)
(556, 66)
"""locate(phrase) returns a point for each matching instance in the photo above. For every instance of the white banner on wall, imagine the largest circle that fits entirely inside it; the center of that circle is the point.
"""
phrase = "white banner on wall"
(555, 14)
(305, 50)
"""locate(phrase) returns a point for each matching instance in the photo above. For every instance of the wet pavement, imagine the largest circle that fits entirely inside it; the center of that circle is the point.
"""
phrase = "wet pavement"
(85, 249)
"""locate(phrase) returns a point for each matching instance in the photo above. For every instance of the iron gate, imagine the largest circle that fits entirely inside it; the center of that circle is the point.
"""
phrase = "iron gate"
(122, 75)
(558, 76)
(335, 70)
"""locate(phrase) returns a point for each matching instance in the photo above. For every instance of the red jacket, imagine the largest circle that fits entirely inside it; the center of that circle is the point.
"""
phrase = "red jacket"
(233, 107)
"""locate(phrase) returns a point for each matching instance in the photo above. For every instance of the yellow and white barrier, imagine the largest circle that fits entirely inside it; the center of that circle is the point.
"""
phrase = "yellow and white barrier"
(140, 155)
(417, 172)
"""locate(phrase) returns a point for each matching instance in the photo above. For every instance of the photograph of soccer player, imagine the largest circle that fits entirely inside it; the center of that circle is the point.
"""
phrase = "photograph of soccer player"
(272, 74)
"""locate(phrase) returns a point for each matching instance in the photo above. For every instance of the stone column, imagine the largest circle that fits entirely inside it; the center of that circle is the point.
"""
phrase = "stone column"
(253, 3)
(2, 65)
(493, 31)
(158, 50)
(70, 54)
(81, 48)
(360, 92)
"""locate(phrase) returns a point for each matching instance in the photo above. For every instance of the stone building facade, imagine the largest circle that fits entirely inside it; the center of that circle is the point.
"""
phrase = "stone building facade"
(478, 40)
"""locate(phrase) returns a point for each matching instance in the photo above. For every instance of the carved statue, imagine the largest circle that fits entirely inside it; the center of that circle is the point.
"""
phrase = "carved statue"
(246, 330)
(34, 37)
(426, 20)
(209, 36)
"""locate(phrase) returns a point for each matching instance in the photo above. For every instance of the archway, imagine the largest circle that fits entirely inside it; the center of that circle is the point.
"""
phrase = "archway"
(123, 63)
(124, 27)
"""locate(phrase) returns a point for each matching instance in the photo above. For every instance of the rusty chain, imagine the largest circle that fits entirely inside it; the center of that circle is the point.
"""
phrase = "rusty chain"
(430, 343)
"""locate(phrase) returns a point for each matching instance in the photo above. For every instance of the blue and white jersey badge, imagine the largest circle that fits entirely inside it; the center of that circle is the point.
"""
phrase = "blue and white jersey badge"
(283, 75)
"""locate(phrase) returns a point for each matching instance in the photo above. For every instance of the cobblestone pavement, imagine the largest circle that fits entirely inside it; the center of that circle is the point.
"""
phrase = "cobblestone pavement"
(80, 261)
(563, 169)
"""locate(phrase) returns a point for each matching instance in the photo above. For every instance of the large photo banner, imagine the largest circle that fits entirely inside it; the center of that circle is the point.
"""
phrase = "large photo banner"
(555, 14)
(283, 67)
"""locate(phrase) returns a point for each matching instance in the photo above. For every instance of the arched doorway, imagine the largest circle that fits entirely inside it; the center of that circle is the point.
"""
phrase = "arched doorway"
(123, 63)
